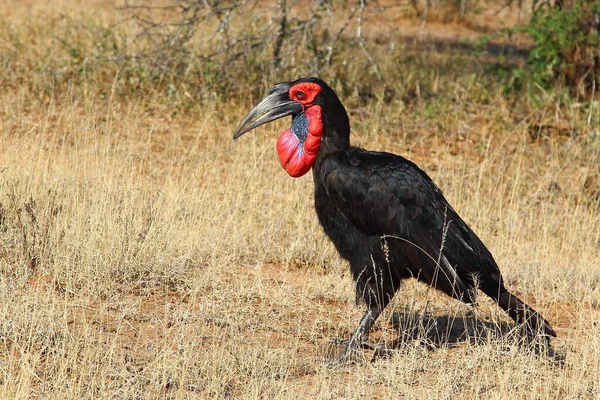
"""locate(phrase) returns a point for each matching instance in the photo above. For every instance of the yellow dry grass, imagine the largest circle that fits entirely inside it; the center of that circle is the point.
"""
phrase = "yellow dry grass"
(144, 254)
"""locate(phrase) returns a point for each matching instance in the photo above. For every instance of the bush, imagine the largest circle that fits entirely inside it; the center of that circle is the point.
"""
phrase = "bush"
(227, 44)
(567, 45)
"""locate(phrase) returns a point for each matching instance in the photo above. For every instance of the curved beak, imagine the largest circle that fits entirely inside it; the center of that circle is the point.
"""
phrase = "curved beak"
(276, 105)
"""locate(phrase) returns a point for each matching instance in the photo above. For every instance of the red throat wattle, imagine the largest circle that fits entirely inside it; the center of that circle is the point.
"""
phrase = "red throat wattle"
(297, 147)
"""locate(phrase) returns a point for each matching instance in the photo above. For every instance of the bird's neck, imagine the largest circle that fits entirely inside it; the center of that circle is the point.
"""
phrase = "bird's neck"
(331, 145)
(336, 132)
(326, 152)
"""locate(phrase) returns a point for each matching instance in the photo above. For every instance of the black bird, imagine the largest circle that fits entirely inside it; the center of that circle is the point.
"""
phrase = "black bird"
(381, 211)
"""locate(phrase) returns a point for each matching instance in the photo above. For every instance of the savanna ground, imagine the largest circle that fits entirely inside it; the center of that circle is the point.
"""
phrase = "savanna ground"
(145, 254)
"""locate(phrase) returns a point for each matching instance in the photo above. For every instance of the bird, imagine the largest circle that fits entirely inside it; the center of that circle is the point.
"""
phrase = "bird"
(383, 213)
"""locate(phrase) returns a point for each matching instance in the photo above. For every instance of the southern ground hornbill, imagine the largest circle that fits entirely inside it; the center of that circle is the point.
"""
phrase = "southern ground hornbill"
(381, 211)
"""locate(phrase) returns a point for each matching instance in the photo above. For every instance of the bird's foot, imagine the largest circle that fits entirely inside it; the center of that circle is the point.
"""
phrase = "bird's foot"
(365, 344)
(349, 356)
(351, 352)
(386, 350)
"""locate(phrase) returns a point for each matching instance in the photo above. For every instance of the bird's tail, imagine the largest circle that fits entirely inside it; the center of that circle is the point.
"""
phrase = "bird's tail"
(522, 313)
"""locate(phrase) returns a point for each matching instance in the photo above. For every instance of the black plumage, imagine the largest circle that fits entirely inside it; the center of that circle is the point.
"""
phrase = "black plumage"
(390, 221)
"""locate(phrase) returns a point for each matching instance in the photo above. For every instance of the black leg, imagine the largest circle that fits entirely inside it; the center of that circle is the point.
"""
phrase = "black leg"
(360, 336)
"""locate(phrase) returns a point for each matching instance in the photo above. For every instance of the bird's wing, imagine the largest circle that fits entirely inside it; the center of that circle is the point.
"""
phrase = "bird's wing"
(387, 195)
(379, 193)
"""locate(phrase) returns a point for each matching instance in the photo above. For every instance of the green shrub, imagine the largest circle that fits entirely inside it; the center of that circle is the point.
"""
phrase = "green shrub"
(567, 43)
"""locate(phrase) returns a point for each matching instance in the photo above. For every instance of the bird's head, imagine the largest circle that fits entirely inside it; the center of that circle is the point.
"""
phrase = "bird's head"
(319, 122)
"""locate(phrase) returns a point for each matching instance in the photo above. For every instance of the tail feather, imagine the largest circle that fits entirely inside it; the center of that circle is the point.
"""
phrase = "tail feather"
(522, 313)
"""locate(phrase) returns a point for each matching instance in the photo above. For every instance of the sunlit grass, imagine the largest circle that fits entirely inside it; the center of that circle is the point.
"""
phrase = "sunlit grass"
(145, 254)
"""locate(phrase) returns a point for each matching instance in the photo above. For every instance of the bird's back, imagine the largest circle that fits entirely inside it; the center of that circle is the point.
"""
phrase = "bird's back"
(374, 195)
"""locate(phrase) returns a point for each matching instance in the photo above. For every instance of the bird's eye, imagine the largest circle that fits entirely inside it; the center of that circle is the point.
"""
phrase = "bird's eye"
(300, 95)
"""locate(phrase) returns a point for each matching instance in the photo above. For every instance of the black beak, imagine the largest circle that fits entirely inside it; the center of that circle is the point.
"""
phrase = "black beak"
(276, 105)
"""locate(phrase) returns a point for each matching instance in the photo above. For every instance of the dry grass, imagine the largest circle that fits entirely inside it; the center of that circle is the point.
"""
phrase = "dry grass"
(144, 254)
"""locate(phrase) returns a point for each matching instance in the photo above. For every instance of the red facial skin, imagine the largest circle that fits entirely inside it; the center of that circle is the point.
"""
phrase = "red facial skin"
(310, 91)
(293, 159)
(297, 160)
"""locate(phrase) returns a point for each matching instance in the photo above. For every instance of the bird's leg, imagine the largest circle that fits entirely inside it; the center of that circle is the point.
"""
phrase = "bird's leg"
(360, 336)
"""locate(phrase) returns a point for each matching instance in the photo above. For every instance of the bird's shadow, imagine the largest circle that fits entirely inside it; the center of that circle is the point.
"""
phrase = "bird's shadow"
(447, 331)
(438, 331)
(434, 332)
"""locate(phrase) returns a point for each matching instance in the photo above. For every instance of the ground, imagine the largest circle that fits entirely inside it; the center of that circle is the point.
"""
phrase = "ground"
(145, 254)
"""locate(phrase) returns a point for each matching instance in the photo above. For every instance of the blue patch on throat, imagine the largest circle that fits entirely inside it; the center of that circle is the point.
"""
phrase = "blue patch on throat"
(300, 127)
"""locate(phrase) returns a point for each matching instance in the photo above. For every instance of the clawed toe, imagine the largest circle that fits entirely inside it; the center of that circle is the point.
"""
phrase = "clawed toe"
(384, 350)
(352, 351)
(366, 344)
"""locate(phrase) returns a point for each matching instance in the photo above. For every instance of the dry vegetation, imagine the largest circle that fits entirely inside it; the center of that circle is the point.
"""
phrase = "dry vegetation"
(144, 254)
